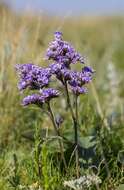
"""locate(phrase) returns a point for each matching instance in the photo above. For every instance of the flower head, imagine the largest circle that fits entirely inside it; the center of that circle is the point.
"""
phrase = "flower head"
(75, 79)
(58, 35)
(88, 69)
(49, 93)
(77, 90)
(36, 78)
(78, 79)
(32, 76)
(33, 99)
(60, 71)
(39, 99)
(62, 52)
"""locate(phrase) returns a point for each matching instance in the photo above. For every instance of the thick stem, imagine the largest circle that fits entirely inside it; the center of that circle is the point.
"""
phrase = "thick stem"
(58, 134)
(75, 124)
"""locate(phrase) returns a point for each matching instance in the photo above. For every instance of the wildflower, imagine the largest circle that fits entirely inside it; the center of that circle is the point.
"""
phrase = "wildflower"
(88, 69)
(49, 93)
(56, 69)
(34, 186)
(74, 78)
(79, 90)
(32, 76)
(62, 52)
(33, 99)
(61, 72)
(78, 80)
(58, 35)
(85, 77)
(38, 99)
(84, 181)
(36, 78)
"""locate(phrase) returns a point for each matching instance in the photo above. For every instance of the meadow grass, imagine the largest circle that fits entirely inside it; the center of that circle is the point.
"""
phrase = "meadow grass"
(24, 39)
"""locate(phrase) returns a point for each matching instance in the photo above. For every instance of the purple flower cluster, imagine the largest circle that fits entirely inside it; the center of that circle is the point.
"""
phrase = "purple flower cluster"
(49, 93)
(79, 79)
(77, 90)
(36, 78)
(62, 52)
(33, 99)
(63, 55)
(45, 96)
(32, 76)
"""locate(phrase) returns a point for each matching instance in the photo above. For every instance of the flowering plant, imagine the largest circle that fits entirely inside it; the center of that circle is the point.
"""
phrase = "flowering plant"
(38, 79)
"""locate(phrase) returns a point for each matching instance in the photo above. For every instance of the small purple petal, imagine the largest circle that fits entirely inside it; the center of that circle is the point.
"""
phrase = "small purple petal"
(79, 90)
(88, 69)
(33, 99)
(58, 35)
(49, 93)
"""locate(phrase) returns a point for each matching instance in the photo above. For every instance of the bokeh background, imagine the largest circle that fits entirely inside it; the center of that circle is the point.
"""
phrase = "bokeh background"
(79, 7)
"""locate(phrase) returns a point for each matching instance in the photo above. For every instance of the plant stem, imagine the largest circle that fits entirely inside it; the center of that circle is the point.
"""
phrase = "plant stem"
(75, 124)
(57, 133)
(69, 102)
(37, 150)
(105, 161)
(76, 135)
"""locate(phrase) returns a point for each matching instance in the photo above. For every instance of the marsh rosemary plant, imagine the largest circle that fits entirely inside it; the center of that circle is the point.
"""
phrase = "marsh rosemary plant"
(63, 56)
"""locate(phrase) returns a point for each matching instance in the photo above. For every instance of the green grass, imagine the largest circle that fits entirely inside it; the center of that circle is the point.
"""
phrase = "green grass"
(24, 39)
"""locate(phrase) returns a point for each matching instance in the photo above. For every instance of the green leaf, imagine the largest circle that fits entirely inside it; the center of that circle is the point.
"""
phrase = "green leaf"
(52, 144)
(29, 134)
(87, 141)
(121, 157)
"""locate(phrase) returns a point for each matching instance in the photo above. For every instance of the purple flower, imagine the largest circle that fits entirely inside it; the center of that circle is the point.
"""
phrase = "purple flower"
(39, 99)
(60, 71)
(36, 78)
(79, 90)
(78, 78)
(32, 76)
(85, 78)
(33, 99)
(49, 93)
(86, 75)
(88, 69)
(58, 35)
(74, 78)
(62, 52)
(56, 67)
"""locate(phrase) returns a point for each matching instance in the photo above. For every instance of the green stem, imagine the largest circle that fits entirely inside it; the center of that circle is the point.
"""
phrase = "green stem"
(38, 150)
(58, 134)
(76, 135)
(69, 102)
(75, 124)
